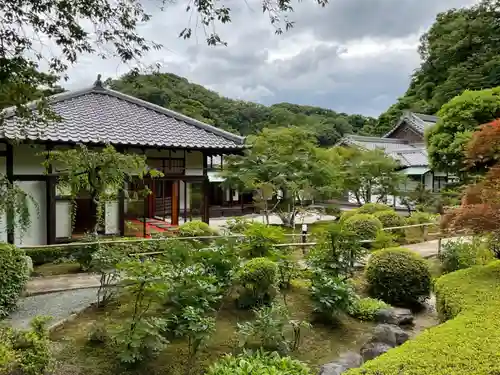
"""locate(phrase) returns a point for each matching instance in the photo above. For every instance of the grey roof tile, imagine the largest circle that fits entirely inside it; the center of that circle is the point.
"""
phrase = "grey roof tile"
(99, 115)
(417, 121)
(409, 155)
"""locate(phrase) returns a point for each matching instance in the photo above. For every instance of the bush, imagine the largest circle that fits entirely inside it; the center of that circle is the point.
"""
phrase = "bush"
(390, 219)
(365, 226)
(45, 255)
(238, 225)
(367, 308)
(261, 238)
(398, 276)
(371, 208)
(459, 254)
(13, 277)
(331, 296)
(347, 214)
(419, 217)
(197, 229)
(466, 344)
(258, 278)
(258, 363)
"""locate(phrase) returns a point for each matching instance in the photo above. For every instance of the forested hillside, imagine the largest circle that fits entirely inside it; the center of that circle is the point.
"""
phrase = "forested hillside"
(177, 93)
(459, 52)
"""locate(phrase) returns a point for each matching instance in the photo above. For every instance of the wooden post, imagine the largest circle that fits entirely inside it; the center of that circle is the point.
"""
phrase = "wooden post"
(426, 232)
(175, 203)
(304, 238)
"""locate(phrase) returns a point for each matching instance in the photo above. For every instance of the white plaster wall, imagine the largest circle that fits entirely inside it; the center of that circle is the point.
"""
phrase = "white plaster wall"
(28, 159)
(63, 219)
(36, 234)
(181, 195)
(194, 163)
(112, 218)
(428, 181)
(3, 228)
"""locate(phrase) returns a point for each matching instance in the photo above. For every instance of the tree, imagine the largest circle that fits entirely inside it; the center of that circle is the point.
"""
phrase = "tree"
(102, 173)
(458, 119)
(369, 173)
(286, 168)
(480, 207)
(458, 53)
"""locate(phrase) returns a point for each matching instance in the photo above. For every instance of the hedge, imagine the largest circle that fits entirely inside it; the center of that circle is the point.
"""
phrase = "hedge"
(465, 344)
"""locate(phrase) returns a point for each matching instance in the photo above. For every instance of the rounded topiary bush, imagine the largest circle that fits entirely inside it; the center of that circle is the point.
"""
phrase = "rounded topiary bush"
(371, 208)
(390, 218)
(347, 214)
(197, 229)
(365, 226)
(13, 276)
(398, 276)
(258, 279)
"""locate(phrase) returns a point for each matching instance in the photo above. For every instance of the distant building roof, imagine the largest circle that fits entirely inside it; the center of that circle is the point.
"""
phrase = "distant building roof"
(417, 121)
(100, 115)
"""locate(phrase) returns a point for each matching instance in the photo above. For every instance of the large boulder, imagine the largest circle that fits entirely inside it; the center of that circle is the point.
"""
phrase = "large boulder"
(389, 334)
(345, 362)
(373, 349)
(394, 315)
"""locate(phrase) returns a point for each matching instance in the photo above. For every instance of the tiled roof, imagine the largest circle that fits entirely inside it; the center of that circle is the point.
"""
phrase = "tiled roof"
(418, 121)
(409, 155)
(100, 115)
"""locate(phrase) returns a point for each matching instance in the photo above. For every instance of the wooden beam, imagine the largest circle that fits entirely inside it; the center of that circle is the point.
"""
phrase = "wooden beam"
(175, 203)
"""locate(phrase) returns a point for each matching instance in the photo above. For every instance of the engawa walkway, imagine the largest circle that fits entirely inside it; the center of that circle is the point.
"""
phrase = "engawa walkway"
(51, 284)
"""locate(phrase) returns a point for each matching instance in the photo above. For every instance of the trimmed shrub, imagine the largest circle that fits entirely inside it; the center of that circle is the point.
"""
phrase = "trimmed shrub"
(331, 296)
(258, 363)
(371, 208)
(260, 239)
(365, 226)
(45, 255)
(13, 276)
(347, 214)
(419, 217)
(197, 229)
(398, 276)
(258, 278)
(465, 344)
(367, 308)
(238, 224)
(390, 219)
(459, 254)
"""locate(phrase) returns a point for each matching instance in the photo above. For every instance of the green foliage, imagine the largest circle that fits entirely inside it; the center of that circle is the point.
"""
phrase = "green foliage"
(365, 226)
(33, 347)
(238, 224)
(285, 168)
(384, 240)
(177, 93)
(331, 296)
(260, 239)
(419, 217)
(51, 254)
(372, 208)
(139, 336)
(368, 173)
(13, 277)
(197, 229)
(389, 218)
(459, 254)
(258, 363)
(347, 214)
(398, 276)
(337, 252)
(258, 279)
(465, 344)
(458, 119)
(269, 330)
(367, 308)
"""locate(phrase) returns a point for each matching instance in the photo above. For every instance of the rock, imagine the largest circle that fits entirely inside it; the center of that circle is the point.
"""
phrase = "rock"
(389, 334)
(29, 264)
(395, 316)
(373, 349)
(345, 362)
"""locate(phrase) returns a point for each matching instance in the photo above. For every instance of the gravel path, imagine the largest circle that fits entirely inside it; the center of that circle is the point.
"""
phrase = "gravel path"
(58, 305)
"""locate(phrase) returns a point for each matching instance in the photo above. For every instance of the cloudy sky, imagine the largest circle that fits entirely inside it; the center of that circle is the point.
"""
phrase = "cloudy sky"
(354, 56)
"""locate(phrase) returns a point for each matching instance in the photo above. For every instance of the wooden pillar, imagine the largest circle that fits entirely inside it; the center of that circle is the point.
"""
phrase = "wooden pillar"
(121, 210)
(205, 214)
(175, 203)
(9, 169)
(185, 201)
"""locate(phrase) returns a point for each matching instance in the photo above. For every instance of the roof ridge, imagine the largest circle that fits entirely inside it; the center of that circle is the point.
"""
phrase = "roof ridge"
(379, 139)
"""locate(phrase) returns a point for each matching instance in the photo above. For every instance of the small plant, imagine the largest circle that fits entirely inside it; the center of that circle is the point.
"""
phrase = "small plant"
(197, 229)
(459, 254)
(260, 240)
(269, 329)
(367, 308)
(287, 271)
(365, 226)
(104, 262)
(33, 348)
(98, 333)
(238, 225)
(258, 363)
(398, 276)
(384, 240)
(258, 279)
(331, 296)
(13, 277)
